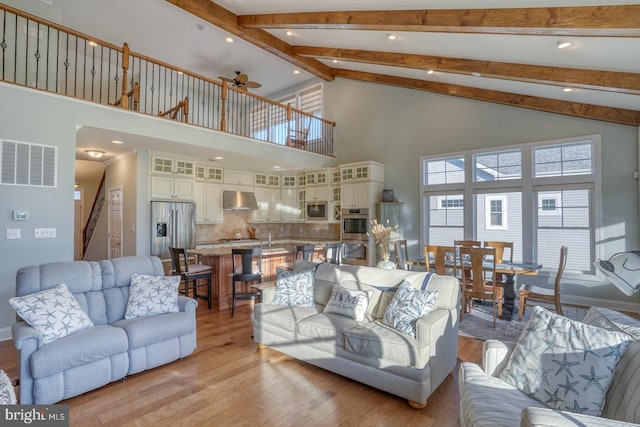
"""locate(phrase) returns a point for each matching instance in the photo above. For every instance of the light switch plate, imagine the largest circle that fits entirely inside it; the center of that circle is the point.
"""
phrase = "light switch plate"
(13, 233)
(44, 233)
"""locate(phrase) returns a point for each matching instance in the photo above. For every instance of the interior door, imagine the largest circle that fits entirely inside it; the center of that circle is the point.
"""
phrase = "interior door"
(115, 223)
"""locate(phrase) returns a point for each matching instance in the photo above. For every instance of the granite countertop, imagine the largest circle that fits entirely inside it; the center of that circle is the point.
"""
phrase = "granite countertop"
(257, 242)
(227, 251)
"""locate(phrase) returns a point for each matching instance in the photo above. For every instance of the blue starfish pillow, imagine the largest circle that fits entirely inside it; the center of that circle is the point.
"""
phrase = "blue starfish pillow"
(563, 363)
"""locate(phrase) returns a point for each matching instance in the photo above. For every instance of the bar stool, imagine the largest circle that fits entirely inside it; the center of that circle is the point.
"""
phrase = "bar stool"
(332, 253)
(247, 268)
(306, 251)
(192, 273)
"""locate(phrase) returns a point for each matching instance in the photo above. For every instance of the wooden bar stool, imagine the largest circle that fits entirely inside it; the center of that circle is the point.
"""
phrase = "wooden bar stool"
(191, 273)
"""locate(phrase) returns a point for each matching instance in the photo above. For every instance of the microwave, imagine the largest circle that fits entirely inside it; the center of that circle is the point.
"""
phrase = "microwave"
(317, 210)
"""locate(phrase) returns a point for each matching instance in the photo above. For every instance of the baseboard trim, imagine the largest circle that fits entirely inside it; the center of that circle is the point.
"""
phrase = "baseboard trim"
(597, 302)
(5, 333)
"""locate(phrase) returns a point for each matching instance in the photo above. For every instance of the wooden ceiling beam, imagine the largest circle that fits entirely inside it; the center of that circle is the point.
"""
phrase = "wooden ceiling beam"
(611, 21)
(611, 81)
(574, 109)
(228, 21)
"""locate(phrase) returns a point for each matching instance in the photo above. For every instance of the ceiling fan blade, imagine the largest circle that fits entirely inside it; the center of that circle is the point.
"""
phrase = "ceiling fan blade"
(242, 78)
(226, 79)
(253, 85)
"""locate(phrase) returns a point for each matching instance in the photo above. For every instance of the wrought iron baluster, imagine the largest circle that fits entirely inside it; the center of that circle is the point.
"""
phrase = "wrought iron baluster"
(3, 45)
(66, 67)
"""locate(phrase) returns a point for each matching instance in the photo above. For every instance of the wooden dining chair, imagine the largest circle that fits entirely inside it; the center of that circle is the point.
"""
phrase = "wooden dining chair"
(401, 250)
(535, 293)
(439, 255)
(478, 262)
(465, 244)
(500, 254)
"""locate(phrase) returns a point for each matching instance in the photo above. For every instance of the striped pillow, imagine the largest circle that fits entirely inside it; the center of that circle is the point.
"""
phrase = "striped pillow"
(623, 396)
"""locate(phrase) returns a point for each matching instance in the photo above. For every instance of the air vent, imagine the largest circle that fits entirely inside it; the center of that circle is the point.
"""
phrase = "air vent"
(28, 164)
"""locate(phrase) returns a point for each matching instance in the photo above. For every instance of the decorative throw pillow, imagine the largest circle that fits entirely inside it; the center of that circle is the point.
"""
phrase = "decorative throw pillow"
(407, 306)
(563, 363)
(348, 302)
(54, 312)
(294, 289)
(149, 295)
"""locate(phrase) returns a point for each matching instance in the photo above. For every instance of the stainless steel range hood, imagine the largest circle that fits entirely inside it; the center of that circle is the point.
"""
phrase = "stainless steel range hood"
(239, 200)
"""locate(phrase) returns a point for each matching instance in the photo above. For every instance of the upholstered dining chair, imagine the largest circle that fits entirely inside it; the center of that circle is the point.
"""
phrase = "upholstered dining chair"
(529, 293)
(401, 251)
(478, 262)
(439, 256)
(192, 274)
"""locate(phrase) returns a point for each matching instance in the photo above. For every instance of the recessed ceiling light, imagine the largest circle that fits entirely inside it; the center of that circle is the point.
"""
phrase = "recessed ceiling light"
(96, 154)
(335, 61)
(92, 43)
(476, 74)
(229, 40)
(567, 89)
(276, 167)
(296, 71)
(392, 36)
(431, 71)
(218, 158)
(289, 33)
(115, 141)
(564, 44)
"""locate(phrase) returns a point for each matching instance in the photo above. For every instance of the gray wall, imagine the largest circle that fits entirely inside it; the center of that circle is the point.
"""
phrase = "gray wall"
(396, 126)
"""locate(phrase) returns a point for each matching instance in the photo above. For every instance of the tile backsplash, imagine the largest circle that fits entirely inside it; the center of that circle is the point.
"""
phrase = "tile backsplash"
(237, 220)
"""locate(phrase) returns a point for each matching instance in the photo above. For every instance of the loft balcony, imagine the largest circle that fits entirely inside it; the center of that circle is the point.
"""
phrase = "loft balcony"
(43, 55)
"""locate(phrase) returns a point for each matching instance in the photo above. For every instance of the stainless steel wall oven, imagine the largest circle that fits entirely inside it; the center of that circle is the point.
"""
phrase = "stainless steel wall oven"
(355, 223)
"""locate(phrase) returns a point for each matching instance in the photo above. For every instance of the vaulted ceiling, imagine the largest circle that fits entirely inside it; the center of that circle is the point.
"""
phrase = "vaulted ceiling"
(497, 54)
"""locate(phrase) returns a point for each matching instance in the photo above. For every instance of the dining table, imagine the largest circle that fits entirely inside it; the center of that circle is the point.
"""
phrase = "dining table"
(509, 270)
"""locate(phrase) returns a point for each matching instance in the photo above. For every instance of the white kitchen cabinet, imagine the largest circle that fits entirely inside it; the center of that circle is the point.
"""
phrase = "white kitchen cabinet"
(170, 166)
(363, 171)
(165, 187)
(289, 209)
(208, 198)
(319, 193)
(359, 194)
(209, 173)
(238, 177)
(268, 204)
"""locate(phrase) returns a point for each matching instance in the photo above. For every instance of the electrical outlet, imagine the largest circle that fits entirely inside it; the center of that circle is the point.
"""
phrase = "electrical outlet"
(13, 233)
(44, 233)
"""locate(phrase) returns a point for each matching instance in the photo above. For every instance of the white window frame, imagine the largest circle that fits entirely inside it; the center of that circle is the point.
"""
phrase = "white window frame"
(488, 198)
(526, 185)
(442, 199)
(558, 202)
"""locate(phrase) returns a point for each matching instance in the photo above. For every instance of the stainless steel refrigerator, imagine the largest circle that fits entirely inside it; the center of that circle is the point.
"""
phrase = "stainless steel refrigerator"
(172, 224)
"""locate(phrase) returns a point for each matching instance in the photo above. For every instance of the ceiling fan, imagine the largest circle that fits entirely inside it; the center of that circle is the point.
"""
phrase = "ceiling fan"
(241, 81)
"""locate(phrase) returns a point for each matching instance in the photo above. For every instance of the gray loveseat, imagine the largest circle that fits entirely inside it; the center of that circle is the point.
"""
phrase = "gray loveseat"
(370, 352)
(487, 400)
(111, 349)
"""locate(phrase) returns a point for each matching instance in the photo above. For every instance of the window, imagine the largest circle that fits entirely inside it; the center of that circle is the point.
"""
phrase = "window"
(538, 195)
(444, 171)
(496, 212)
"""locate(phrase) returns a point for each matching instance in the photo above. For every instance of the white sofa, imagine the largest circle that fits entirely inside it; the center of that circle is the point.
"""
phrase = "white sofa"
(369, 352)
(487, 400)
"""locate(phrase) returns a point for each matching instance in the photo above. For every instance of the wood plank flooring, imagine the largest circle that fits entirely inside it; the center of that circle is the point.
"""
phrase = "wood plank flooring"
(227, 382)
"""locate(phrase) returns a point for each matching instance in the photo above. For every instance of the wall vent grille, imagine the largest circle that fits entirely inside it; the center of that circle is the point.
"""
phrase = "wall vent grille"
(27, 164)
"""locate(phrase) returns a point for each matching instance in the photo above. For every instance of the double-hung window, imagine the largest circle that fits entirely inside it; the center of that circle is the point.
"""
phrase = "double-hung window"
(539, 196)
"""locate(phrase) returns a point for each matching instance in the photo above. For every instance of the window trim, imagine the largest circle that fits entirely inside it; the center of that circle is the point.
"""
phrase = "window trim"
(526, 186)
(488, 198)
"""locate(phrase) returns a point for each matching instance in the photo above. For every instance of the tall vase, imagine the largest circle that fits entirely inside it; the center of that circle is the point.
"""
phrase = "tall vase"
(386, 264)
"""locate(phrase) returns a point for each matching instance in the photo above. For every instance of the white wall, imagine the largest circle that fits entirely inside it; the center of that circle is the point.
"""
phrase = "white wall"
(396, 126)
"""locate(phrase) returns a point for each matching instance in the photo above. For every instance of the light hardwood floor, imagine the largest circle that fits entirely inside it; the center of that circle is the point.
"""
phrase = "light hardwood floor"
(227, 382)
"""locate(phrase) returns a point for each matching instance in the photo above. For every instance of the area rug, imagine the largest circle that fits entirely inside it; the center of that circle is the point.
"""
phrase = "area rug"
(479, 323)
